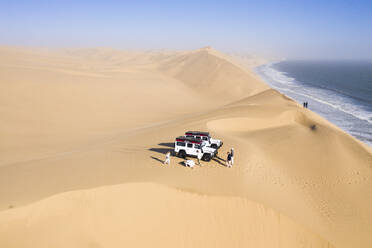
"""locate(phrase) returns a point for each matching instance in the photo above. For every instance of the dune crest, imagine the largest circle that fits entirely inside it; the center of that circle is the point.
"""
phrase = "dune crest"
(211, 74)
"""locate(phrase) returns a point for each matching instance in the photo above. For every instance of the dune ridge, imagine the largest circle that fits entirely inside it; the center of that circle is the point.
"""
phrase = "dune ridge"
(207, 71)
(116, 129)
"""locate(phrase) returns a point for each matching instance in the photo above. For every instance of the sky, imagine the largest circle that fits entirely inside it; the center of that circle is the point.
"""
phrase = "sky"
(325, 29)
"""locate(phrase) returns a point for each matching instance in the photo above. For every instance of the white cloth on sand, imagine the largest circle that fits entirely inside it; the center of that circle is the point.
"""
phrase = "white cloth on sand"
(190, 163)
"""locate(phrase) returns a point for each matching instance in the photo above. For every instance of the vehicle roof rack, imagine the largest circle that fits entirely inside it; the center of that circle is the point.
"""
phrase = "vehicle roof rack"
(197, 133)
(192, 140)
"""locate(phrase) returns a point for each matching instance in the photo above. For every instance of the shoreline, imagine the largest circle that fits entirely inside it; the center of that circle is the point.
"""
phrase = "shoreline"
(328, 110)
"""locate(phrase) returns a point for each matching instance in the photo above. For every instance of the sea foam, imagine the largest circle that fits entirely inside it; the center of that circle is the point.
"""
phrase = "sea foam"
(343, 111)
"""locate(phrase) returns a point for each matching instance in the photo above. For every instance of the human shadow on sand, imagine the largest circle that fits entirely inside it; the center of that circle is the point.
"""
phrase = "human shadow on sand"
(218, 161)
(162, 151)
(221, 159)
(157, 159)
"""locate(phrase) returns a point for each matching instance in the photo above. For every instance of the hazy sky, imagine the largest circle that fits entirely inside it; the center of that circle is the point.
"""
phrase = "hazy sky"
(302, 29)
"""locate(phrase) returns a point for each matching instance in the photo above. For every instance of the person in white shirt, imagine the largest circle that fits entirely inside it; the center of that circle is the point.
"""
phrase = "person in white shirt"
(232, 156)
(167, 158)
(199, 155)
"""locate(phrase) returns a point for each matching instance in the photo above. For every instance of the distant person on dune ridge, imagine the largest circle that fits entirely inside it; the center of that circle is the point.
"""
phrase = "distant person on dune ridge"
(167, 158)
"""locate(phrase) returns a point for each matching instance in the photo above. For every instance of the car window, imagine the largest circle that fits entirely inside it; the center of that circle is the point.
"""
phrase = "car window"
(197, 137)
(205, 138)
(189, 145)
(197, 146)
(189, 136)
(181, 143)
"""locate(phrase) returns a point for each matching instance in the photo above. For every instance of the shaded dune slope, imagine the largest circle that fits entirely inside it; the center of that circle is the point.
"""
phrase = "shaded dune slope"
(211, 75)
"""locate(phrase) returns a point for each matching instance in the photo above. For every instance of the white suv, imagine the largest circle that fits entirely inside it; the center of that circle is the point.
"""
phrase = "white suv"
(204, 136)
(190, 147)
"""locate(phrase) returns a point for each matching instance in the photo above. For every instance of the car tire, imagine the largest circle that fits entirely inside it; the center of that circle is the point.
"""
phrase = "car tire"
(207, 157)
(182, 154)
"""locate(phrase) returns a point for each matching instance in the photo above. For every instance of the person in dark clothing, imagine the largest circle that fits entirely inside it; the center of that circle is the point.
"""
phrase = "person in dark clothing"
(232, 156)
(228, 160)
(304, 104)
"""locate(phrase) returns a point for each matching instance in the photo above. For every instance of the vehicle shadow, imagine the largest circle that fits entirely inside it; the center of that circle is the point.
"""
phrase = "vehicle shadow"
(170, 149)
(161, 150)
(171, 145)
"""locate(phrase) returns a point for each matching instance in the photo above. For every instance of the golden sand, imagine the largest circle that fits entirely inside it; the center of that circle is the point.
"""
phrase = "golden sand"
(83, 133)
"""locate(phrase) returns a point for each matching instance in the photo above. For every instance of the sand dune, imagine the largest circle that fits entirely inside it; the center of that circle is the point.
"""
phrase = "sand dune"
(144, 215)
(74, 120)
(207, 72)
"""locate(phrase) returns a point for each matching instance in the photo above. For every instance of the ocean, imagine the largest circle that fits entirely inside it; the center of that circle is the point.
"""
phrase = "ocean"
(340, 91)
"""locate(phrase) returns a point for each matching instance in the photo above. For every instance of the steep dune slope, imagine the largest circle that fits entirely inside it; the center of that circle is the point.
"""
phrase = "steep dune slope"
(210, 74)
(321, 175)
(149, 215)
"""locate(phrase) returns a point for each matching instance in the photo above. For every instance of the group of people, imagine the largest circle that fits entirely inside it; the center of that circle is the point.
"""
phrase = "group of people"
(305, 104)
(190, 163)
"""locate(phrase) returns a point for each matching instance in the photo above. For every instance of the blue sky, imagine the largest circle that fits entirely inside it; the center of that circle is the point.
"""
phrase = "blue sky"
(292, 29)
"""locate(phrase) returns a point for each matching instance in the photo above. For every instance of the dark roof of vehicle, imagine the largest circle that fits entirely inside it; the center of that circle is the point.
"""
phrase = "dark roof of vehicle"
(193, 140)
(197, 133)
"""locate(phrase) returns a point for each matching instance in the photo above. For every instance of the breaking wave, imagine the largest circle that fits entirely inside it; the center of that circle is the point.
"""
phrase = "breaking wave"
(346, 112)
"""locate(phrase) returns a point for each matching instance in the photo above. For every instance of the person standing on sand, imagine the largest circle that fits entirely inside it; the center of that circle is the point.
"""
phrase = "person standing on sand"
(304, 104)
(199, 156)
(232, 156)
(228, 160)
(167, 158)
